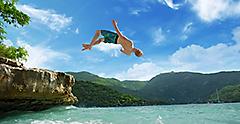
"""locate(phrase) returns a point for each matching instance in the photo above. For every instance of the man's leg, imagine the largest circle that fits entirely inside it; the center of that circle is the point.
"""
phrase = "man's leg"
(94, 39)
(93, 42)
(89, 46)
(98, 41)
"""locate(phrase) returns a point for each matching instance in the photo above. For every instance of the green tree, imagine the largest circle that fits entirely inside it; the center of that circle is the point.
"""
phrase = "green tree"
(229, 93)
(12, 16)
(13, 52)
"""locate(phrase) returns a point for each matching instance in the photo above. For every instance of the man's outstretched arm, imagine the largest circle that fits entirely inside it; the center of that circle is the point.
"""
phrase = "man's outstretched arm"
(125, 52)
(116, 28)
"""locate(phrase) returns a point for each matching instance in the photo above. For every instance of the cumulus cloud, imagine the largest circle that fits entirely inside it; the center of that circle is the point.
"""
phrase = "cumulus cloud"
(207, 10)
(219, 57)
(54, 21)
(210, 10)
(211, 59)
(42, 56)
(158, 36)
(143, 71)
(112, 49)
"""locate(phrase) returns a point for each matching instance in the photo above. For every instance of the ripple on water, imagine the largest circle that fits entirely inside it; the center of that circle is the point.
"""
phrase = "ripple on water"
(62, 122)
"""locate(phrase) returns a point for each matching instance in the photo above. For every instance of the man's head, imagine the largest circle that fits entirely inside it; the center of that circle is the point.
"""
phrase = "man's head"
(137, 52)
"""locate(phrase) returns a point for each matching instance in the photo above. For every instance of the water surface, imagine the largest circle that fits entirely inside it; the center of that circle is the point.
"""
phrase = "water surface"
(172, 114)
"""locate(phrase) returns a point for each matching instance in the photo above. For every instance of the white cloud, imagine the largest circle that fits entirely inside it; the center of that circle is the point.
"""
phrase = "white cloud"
(50, 18)
(158, 36)
(77, 31)
(214, 58)
(103, 75)
(186, 30)
(207, 10)
(112, 49)
(171, 4)
(42, 56)
(195, 58)
(210, 10)
(137, 11)
(211, 59)
(143, 71)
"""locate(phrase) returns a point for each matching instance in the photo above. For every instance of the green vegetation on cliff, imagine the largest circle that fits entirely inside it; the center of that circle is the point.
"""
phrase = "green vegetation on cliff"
(227, 94)
(13, 52)
(187, 87)
(110, 82)
(12, 16)
(91, 94)
(175, 88)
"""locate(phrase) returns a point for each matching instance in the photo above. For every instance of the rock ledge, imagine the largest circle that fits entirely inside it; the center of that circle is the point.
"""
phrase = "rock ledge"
(32, 89)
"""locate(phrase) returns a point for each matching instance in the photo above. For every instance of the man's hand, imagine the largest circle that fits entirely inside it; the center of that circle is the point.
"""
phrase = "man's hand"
(116, 27)
(114, 22)
(86, 47)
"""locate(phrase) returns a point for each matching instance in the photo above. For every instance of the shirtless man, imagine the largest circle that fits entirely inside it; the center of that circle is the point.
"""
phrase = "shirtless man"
(115, 38)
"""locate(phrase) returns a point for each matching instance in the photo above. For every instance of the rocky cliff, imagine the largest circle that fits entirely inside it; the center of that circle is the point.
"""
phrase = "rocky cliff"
(32, 89)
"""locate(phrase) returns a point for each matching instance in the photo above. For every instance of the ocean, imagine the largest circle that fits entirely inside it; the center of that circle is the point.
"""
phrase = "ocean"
(169, 114)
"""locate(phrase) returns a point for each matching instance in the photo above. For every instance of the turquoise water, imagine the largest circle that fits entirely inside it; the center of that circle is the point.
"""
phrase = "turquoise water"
(172, 114)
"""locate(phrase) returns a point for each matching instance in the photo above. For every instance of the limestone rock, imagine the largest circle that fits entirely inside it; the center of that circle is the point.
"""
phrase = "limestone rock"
(33, 89)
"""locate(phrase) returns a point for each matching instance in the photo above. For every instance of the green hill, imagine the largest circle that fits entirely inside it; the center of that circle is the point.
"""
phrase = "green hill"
(229, 93)
(175, 88)
(134, 85)
(110, 82)
(91, 94)
(187, 87)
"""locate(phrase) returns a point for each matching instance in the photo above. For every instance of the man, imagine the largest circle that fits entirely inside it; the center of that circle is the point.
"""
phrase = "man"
(115, 38)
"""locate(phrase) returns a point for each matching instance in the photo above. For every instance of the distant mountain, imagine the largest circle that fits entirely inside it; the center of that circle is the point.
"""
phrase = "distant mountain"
(187, 87)
(229, 93)
(110, 82)
(134, 85)
(175, 88)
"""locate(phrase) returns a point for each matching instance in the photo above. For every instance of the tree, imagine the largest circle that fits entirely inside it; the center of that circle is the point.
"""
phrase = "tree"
(13, 52)
(12, 16)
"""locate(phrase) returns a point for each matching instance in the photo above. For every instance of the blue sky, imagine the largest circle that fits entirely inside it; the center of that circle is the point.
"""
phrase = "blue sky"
(175, 35)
